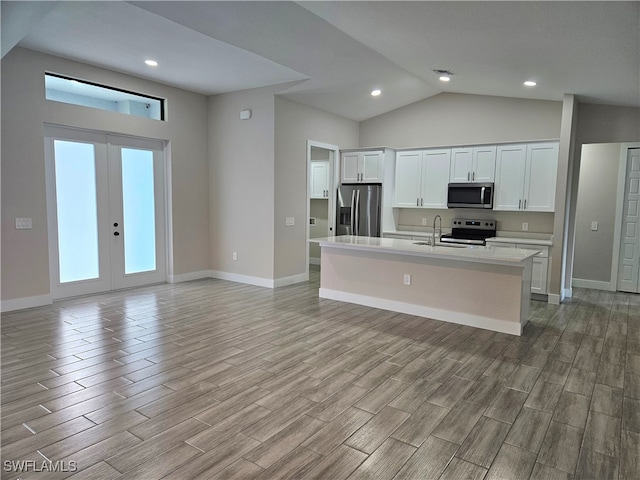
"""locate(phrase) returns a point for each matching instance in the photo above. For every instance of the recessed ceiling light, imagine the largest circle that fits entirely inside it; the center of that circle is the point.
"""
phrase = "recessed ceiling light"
(376, 93)
(530, 83)
(444, 75)
(151, 63)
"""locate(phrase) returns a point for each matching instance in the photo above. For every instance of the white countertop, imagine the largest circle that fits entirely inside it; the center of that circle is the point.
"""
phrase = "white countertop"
(478, 254)
(529, 241)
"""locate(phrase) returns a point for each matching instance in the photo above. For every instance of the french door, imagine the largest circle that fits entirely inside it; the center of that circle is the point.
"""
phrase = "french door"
(106, 211)
(629, 266)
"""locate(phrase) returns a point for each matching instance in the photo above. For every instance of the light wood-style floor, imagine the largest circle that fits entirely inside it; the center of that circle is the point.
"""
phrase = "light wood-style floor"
(212, 379)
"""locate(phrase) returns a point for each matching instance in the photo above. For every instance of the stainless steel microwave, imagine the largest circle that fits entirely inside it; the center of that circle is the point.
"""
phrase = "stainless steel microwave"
(470, 195)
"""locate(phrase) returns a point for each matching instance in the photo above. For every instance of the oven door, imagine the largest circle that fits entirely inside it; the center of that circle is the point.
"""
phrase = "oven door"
(470, 195)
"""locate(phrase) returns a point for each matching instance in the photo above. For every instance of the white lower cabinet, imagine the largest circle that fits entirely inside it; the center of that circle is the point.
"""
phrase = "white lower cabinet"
(540, 269)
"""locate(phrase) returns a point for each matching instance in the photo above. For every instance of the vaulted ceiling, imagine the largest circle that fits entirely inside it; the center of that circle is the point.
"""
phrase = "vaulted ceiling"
(332, 54)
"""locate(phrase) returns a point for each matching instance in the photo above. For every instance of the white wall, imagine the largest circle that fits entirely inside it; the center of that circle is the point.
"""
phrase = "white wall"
(597, 124)
(24, 258)
(457, 119)
(295, 124)
(242, 185)
(596, 201)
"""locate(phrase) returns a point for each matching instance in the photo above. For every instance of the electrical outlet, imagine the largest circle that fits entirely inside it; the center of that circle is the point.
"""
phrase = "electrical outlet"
(594, 226)
(234, 255)
(525, 226)
(407, 279)
(424, 221)
(289, 221)
(23, 224)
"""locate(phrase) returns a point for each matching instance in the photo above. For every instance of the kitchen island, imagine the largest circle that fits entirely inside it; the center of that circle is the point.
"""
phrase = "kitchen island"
(483, 287)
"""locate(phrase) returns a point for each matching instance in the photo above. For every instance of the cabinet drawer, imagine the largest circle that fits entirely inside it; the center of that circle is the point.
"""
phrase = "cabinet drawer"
(543, 249)
(501, 244)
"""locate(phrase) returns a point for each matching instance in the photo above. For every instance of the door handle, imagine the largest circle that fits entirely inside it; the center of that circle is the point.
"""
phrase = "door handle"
(353, 212)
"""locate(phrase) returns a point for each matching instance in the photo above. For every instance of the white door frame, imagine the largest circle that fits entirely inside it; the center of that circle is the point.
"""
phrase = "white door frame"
(163, 181)
(334, 166)
(617, 229)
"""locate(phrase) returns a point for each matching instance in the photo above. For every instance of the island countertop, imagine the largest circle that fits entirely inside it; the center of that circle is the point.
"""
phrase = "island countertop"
(478, 254)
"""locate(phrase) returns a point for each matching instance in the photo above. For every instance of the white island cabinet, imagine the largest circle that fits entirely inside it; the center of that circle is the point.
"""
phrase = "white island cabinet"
(483, 287)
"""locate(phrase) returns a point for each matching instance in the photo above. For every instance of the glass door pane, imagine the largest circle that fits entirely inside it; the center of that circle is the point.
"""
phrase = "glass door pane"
(77, 211)
(138, 208)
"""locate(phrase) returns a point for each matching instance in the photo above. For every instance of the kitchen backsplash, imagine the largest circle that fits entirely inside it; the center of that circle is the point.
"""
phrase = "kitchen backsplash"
(507, 221)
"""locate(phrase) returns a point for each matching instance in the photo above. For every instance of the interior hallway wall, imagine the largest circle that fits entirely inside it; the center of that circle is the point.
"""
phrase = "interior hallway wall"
(295, 124)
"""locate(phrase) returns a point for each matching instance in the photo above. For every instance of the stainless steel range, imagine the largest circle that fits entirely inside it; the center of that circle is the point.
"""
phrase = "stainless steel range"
(470, 232)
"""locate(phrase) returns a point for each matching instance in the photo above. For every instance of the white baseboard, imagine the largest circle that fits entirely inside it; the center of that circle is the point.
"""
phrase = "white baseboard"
(314, 260)
(187, 277)
(283, 282)
(26, 302)
(592, 284)
(236, 277)
(39, 301)
(502, 326)
(553, 299)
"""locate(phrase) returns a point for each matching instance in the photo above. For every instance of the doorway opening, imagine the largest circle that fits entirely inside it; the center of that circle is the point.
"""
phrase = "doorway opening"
(106, 211)
(321, 192)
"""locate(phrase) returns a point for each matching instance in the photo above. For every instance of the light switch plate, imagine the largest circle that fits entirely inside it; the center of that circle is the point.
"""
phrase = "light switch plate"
(289, 221)
(525, 226)
(424, 221)
(23, 224)
(594, 226)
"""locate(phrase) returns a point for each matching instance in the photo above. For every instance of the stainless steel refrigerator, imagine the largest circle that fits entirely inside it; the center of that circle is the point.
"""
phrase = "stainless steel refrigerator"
(358, 210)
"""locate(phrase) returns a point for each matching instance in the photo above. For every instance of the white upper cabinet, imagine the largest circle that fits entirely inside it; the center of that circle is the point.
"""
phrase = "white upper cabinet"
(526, 177)
(362, 167)
(542, 170)
(421, 178)
(510, 170)
(473, 164)
(319, 180)
(461, 165)
(408, 184)
(484, 164)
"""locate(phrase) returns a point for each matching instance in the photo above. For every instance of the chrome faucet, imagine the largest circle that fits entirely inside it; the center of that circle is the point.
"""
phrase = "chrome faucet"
(433, 235)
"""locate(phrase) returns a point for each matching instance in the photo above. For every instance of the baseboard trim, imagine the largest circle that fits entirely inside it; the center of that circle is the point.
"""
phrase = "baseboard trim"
(25, 302)
(187, 277)
(283, 282)
(236, 277)
(592, 284)
(511, 328)
(41, 300)
(554, 299)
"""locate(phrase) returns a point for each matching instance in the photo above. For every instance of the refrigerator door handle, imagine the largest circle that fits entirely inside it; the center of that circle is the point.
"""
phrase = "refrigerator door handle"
(357, 212)
(353, 215)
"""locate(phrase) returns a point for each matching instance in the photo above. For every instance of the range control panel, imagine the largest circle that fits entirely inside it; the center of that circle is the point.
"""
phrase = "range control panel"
(475, 224)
